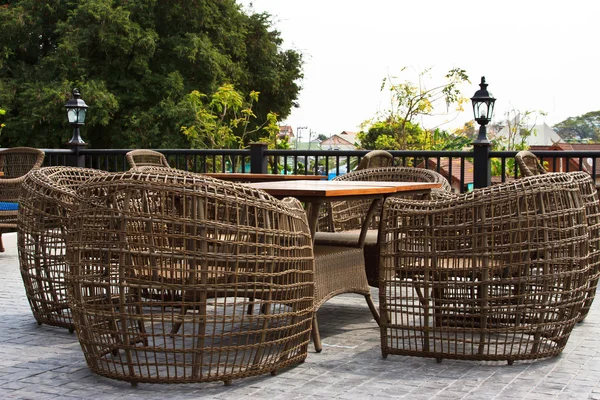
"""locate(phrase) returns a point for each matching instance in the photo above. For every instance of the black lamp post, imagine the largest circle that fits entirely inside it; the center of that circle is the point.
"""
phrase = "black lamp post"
(483, 108)
(76, 110)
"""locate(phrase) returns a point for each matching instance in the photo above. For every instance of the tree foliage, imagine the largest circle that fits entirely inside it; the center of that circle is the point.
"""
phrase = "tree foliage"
(586, 126)
(134, 62)
(410, 100)
(519, 125)
(397, 129)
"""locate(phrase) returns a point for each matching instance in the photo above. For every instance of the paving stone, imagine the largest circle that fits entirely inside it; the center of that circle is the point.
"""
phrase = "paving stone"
(42, 362)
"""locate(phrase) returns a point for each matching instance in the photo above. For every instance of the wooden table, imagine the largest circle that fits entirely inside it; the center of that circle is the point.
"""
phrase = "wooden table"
(250, 177)
(315, 193)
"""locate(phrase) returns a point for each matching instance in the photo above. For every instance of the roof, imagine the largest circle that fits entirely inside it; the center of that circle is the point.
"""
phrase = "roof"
(542, 135)
(573, 162)
(456, 166)
(286, 130)
(340, 141)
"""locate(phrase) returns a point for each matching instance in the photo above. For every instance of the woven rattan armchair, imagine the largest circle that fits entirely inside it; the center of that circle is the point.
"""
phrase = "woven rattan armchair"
(499, 274)
(233, 268)
(584, 182)
(338, 269)
(348, 216)
(146, 158)
(15, 163)
(375, 159)
(529, 164)
(47, 199)
(589, 194)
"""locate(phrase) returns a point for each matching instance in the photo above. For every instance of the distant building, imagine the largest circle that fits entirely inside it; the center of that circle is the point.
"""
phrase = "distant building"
(341, 141)
(570, 164)
(451, 171)
(542, 135)
(286, 132)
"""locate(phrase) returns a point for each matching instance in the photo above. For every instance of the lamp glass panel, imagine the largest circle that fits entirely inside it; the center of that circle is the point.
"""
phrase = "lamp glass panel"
(490, 110)
(72, 115)
(81, 115)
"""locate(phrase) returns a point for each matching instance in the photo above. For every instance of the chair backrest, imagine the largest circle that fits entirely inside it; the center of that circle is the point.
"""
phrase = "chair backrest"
(215, 248)
(348, 215)
(48, 196)
(484, 261)
(584, 182)
(18, 161)
(529, 164)
(15, 163)
(396, 174)
(374, 159)
(146, 158)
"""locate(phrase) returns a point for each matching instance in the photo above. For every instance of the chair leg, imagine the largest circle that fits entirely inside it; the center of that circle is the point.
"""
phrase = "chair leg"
(1, 245)
(373, 308)
(315, 334)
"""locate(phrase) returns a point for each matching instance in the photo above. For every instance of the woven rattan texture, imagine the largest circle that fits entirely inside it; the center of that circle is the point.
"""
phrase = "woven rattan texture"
(528, 163)
(588, 191)
(46, 202)
(179, 278)
(15, 163)
(349, 215)
(376, 159)
(146, 158)
(497, 274)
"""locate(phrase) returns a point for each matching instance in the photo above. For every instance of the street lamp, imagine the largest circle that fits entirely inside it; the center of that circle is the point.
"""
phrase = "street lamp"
(298, 136)
(76, 110)
(483, 108)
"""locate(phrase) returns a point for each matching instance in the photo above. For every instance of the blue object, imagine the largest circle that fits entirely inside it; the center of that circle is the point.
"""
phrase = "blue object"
(5, 206)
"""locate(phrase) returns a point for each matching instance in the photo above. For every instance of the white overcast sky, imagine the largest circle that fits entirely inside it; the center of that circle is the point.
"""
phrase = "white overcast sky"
(535, 54)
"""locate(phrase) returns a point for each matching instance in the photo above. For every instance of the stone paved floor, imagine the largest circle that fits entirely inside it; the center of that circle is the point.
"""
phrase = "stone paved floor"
(41, 362)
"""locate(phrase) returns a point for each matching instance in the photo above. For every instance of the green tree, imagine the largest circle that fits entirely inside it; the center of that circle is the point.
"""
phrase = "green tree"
(519, 125)
(586, 126)
(134, 61)
(410, 100)
(2, 124)
(385, 135)
(468, 130)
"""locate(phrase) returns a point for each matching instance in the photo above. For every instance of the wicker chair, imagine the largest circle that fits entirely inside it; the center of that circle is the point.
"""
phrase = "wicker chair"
(338, 269)
(348, 216)
(375, 159)
(497, 274)
(47, 199)
(584, 182)
(589, 193)
(15, 163)
(224, 248)
(529, 164)
(146, 158)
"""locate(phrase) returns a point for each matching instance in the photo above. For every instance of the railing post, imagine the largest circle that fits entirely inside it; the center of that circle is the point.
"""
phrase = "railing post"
(76, 159)
(258, 158)
(482, 172)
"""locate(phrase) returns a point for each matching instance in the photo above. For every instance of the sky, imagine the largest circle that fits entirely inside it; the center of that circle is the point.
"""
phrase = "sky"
(534, 54)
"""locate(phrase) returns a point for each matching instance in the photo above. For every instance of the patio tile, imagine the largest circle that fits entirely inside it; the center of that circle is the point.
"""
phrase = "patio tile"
(40, 362)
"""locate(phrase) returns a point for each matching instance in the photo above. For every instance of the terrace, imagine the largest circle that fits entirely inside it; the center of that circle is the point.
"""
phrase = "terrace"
(350, 365)
(41, 362)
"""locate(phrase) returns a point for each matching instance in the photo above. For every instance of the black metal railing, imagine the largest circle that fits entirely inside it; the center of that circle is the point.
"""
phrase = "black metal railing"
(457, 166)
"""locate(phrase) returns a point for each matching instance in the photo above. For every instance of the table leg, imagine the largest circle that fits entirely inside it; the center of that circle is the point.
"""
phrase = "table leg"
(312, 213)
